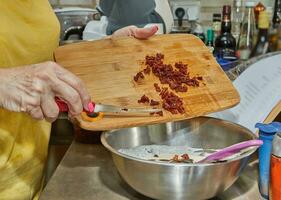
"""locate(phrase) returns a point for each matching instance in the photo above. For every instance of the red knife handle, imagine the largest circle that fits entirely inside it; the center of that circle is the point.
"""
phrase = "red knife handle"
(61, 104)
(63, 107)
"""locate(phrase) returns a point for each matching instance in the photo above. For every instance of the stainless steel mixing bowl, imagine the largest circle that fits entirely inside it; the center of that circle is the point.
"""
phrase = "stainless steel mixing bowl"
(179, 181)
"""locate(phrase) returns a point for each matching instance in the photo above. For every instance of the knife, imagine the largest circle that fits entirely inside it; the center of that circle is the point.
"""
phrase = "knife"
(110, 110)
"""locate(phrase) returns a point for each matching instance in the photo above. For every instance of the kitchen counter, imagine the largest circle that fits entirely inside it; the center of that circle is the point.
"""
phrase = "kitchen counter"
(87, 172)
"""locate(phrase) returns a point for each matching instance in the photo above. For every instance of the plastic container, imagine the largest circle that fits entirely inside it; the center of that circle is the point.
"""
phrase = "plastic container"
(266, 134)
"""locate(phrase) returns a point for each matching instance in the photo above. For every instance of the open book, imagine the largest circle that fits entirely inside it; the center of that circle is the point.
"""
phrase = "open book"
(259, 87)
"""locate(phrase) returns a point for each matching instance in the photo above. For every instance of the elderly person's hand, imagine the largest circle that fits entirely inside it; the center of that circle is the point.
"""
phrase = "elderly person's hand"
(32, 89)
(139, 33)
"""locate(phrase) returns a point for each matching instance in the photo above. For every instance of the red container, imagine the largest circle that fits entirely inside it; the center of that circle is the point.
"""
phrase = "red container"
(275, 178)
(275, 169)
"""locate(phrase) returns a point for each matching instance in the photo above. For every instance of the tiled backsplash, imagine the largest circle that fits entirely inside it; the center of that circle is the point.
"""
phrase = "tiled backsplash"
(208, 7)
(206, 4)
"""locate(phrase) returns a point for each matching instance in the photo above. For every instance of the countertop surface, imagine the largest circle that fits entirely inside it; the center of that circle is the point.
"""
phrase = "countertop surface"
(87, 172)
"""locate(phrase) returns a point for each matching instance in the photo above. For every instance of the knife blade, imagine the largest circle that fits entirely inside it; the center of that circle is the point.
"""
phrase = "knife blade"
(110, 109)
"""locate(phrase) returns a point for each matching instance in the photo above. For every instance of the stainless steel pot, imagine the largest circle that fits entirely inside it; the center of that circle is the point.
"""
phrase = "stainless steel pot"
(179, 181)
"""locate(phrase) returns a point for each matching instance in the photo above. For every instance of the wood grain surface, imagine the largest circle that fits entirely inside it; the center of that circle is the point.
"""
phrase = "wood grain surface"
(108, 66)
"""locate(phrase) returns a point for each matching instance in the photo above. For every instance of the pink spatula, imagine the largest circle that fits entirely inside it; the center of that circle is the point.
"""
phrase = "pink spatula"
(231, 150)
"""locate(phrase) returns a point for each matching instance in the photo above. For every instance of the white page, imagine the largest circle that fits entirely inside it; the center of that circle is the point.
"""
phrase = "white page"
(259, 87)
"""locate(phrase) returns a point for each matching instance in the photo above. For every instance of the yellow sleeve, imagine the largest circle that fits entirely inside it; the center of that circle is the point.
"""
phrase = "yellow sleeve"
(29, 34)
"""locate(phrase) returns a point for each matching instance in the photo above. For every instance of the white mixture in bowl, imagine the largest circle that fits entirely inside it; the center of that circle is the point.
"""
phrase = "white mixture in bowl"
(165, 152)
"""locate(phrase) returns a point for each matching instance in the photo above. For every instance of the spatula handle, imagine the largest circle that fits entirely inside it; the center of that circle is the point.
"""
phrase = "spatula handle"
(228, 151)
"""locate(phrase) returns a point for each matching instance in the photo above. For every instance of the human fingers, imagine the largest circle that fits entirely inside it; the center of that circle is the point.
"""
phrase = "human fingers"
(40, 100)
(144, 33)
(69, 95)
(139, 33)
(36, 113)
(49, 108)
(76, 83)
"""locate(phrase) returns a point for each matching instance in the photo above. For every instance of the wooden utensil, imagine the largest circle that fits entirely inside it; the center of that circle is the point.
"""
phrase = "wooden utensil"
(107, 67)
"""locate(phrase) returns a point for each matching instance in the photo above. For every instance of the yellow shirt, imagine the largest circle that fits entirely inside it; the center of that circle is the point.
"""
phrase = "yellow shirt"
(29, 33)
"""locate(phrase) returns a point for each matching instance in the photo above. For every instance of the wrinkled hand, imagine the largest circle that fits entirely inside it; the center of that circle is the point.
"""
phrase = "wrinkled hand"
(32, 89)
(139, 33)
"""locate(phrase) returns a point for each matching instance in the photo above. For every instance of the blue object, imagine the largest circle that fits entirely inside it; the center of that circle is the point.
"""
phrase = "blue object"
(266, 134)
(227, 64)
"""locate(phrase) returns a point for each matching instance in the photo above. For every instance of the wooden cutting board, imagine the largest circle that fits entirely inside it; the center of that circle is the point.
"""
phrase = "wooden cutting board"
(107, 67)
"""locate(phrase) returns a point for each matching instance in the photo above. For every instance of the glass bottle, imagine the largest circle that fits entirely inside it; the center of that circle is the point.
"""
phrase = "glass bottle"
(237, 18)
(276, 20)
(246, 39)
(279, 39)
(262, 42)
(199, 32)
(225, 44)
(258, 8)
(216, 24)
(210, 39)
(275, 25)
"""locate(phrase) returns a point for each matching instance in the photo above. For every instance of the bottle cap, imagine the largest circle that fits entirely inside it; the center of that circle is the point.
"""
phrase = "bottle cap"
(259, 7)
(250, 4)
(263, 20)
(226, 10)
(268, 129)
